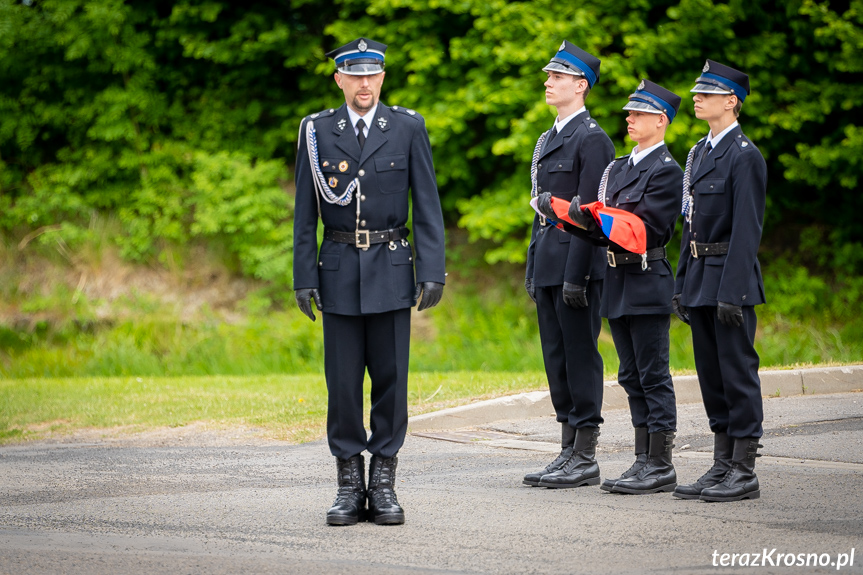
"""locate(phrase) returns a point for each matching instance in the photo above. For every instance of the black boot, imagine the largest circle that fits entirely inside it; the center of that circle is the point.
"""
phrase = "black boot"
(581, 468)
(723, 450)
(350, 504)
(384, 507)
(641, 448)
(740, 482)
(658, 473)
(567, 438)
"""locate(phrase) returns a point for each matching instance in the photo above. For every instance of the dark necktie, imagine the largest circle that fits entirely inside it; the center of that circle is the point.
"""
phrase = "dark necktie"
(361, 135)
(704, 152)
(551, 134)
(621, 175)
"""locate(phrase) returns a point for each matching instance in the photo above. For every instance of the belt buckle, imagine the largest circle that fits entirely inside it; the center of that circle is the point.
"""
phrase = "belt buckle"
(362, 243)
(612, 262)
(543, 221)
(693, 249)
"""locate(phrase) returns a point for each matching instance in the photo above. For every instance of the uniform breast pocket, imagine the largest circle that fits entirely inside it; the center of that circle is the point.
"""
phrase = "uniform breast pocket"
(328, 262)
(630, 197)
(710, 197)
(560, 166)
(392, 173)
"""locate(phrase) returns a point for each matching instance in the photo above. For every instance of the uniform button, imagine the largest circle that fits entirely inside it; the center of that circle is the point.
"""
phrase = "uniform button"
(365, 249)
(539, 189)
(539, 165)
(410, 259)
(587, 277)
(362, 173)
(363, 223)
(392, 164)
(320, 264)
(362, 198)
(560, 165)
(744, 298)
(650, 269)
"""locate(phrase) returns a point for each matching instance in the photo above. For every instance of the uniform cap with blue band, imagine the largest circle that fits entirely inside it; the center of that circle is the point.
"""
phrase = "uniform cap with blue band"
(362, 57)
(718, 78)
(572, 60)
(654, 99)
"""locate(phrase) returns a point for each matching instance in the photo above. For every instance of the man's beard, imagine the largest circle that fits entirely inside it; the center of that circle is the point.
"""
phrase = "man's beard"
(361, 108)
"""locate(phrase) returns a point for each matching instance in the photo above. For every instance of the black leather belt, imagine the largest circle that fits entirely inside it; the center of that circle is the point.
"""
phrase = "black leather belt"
(699, 250)
(365, 238)
(622, 258)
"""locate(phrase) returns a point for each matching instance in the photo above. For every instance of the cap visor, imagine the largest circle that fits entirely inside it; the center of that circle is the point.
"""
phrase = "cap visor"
(642, 107)
(361, 69)
(709, 89)
(555, 67)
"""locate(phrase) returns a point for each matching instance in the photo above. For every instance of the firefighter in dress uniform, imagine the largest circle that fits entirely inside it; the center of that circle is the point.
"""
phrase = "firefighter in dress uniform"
(360, 168)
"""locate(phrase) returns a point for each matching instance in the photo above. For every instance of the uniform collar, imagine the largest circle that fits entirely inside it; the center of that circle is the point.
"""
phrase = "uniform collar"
(368, 118)
(559, 124)
(637, 155)
(714, 140)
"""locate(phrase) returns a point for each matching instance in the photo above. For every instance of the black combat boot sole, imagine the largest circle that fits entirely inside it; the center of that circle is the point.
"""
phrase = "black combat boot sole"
(389, 519)
(630, 491)
(346, 519)
(689, 496)
(530, 482)
(608, 485)
(715, 499)
(581, 483)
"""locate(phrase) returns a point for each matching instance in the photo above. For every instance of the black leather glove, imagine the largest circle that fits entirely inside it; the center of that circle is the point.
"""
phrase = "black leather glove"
(543, 204)
(531, 289)
(729, 314)
(574, 295)
(680, 311)
(304, 301)
(579, 217)
(431, 292)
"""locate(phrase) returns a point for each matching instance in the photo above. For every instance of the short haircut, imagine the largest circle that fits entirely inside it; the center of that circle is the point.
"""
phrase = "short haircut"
(737, 107)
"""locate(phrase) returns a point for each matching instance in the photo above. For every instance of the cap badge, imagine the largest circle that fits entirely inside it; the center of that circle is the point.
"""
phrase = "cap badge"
(706, 67)
(363, 46)
(382, 122)
(641, 86)
(341, 124)
(562, 46)
(343, 166)
(333, 182)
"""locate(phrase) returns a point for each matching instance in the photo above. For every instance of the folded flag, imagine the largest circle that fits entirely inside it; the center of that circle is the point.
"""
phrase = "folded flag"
(621, 227)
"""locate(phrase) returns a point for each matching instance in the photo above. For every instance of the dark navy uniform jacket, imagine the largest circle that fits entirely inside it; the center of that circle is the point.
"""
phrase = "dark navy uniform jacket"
(651, 190)
(396, 158)
(571, 164)
(729, 191)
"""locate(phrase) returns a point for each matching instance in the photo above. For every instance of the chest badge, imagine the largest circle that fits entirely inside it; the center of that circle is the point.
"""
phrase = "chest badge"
(333, 182)
(382, 122)
(343, 166)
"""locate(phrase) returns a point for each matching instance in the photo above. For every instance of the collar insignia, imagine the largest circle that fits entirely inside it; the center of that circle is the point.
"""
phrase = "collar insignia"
(341, 125)
(382, 122)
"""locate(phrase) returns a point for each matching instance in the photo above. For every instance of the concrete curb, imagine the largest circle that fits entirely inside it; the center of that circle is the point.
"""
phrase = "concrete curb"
(779, 383)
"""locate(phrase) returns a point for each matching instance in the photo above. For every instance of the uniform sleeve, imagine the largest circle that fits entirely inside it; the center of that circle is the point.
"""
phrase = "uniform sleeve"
(531, 248)
(683, 262)
(595, 153)
(749, 189)
(305, 219)
(427, 213)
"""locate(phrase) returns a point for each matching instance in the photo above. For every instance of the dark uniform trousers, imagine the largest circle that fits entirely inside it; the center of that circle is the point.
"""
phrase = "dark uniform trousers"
(380, 343)
(636, 301)
(367, 292)
(570, 164)
(729, 188)
(573, 364)
(726, 360)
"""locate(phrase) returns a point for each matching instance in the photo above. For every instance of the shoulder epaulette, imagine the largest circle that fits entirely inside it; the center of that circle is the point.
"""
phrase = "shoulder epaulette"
(743, 142)
(665, 157)
(591, 124)
(623, 157)
(321, 114)
(407, 111)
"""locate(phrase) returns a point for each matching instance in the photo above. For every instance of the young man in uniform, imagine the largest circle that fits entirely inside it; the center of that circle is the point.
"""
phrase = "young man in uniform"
(636, 297)
(356, 167)
(719, 282)
(564, 278)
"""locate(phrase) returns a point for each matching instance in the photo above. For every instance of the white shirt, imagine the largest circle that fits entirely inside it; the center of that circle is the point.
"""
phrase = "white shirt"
(637, 155)
(368, 119)
(560, 124)
(714, 140)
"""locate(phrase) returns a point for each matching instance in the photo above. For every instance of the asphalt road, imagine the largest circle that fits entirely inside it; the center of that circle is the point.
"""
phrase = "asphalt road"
(132, 507)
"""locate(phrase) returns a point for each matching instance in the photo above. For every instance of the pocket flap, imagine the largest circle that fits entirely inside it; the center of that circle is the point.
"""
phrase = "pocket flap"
(630, 197)
(328, 262)
(560, 166)
(710, 186)
(387, 163)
